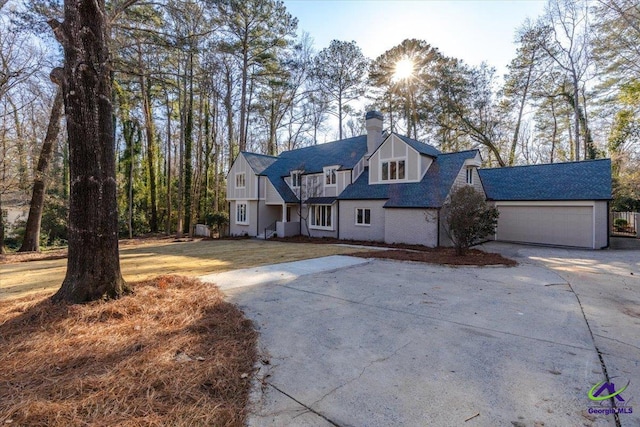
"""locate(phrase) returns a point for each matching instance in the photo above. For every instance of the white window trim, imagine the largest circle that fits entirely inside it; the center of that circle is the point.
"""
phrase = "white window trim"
(356, 217)
(394, 159)
(321, 227)
(469, 175)
(313, 187)
(299, 173)
(324, 175)
(244, 179)
(246, 213)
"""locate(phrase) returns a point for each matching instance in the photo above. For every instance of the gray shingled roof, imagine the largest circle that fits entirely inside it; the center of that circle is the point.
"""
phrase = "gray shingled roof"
(420, 147)
(428, 193)
(259, 162)
(345, 153)
(320, 200)
(586, 180)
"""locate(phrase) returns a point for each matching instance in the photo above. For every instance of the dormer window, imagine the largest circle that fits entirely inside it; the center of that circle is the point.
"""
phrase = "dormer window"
(295, 179)
(470, 175)
(330, 175)
(393, 170)
(240, 180)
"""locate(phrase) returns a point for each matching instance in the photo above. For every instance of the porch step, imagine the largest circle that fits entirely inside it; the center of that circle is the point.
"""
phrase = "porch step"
(261, 236)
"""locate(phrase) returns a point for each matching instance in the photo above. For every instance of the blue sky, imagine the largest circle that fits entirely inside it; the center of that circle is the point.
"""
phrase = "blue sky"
(474, 31)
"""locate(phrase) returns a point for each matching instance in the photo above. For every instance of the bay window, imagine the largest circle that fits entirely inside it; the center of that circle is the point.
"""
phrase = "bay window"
(321, 216)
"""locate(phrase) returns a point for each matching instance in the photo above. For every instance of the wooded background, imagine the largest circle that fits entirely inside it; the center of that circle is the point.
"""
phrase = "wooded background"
(197, 81)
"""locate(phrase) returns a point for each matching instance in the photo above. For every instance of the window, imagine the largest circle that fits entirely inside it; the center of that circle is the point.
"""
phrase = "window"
(295, 179)
(470, 176)
(363, 216)
(241, 213)
(240, 180)
(330, 176)
(321, 216)
(393, 170)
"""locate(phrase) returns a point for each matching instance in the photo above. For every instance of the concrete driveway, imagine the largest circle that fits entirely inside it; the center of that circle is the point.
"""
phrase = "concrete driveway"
(394, 343)
(607, 284)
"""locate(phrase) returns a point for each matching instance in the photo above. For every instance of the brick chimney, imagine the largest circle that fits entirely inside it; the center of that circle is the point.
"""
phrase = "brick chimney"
(374, 131)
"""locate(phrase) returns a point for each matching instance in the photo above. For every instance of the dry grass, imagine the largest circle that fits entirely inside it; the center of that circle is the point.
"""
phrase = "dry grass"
(175, 353)
(143, 259)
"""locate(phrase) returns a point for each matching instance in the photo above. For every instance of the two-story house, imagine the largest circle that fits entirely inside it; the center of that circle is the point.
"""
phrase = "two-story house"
(387, 187)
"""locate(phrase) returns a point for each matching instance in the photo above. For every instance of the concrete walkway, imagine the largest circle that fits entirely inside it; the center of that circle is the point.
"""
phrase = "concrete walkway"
(351, 342)
(283, 272)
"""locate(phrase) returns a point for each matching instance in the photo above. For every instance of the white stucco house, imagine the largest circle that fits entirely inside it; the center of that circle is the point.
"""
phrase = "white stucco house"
(390, 188)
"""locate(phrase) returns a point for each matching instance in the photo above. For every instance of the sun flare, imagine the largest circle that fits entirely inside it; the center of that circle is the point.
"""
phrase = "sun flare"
(404, 69)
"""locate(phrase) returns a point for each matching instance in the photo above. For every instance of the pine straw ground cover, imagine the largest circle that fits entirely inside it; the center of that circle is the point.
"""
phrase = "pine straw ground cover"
(173, 353)
(407, 252)
(446, 256)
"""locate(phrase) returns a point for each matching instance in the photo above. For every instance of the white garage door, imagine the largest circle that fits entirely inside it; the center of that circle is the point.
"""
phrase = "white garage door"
(551, 225)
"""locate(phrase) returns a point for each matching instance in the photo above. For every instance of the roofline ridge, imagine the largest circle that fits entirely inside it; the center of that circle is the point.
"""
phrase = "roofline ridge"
(324, 143)
(549, 164)
(462, 151)
(259, 154)
(413, 139)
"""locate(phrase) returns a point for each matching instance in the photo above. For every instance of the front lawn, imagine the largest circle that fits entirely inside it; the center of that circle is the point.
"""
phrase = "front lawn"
(21, 274)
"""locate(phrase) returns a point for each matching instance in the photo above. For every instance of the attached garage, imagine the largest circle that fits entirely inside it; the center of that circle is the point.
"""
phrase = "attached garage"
(563, 204)
(566, 224)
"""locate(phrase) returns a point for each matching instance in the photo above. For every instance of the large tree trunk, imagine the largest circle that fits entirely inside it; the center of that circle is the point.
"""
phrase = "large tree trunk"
(523, 101)
(151, 151)
(554, 135)
(93, 265)
(243, 95)
(20, 146)
(228, 105)
(181, 109)
(31, 241)
(188, 150)
(168, 156)
(576, 116)
(340, 115)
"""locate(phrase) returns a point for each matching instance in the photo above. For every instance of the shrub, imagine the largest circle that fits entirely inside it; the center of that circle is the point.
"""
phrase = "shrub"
(217, 220)
(468, 219)
(53, 229)
(620, 223)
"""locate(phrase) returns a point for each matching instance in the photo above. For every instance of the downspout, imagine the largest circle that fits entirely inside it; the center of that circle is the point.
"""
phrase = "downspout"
(258, 212)
(338, 218)
(438, 234)
(609, 225)
(229, 210)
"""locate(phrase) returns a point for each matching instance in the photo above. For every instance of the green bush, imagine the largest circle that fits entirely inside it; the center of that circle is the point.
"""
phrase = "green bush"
(468, 218)
(217, 220)
(620, 223)
(53, 228)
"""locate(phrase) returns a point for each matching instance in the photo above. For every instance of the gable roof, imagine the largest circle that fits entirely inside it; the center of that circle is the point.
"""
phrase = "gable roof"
(420, 147)
(584, 180)
(431, 192)
(287, 194)
(259, 162)
(345, 153)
